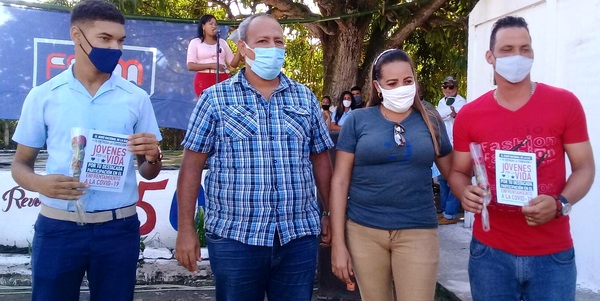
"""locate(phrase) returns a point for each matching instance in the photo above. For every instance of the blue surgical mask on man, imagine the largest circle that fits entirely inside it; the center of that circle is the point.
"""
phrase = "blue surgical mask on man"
(104, 59)
(267, 62)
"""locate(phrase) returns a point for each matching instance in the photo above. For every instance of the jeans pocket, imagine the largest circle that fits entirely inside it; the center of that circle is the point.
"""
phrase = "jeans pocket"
(564, 257)
(477, 249)
(213, 238)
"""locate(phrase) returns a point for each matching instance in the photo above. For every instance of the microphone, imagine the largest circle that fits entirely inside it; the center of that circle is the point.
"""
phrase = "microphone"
(217, 33)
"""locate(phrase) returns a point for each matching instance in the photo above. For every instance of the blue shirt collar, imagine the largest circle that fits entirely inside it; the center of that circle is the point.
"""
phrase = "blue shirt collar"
(68, 78)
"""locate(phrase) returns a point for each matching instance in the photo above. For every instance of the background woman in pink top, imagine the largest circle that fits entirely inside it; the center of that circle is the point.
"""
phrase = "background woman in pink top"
(202, 55)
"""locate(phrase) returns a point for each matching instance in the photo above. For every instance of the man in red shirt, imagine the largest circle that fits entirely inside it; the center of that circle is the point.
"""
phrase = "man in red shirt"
(528, 252)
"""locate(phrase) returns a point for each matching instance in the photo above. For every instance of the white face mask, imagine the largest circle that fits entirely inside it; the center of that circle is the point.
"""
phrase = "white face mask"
(399, 99)
(514, 68)
(346, 103)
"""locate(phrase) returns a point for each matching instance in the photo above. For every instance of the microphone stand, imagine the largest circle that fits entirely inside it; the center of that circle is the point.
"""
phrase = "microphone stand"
(218, 37)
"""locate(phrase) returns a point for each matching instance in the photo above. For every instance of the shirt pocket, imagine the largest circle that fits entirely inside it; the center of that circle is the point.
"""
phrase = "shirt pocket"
(297, 121)
(240, 122)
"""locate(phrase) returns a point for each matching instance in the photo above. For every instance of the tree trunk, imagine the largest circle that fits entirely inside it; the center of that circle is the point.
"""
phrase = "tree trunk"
(341, 60)
(6, 133)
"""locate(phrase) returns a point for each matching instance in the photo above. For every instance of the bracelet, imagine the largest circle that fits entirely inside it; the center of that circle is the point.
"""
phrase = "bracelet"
(559, 206)
(326, 213)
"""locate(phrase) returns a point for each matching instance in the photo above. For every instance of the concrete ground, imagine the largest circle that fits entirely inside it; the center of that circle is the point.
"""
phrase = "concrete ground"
(164, 280)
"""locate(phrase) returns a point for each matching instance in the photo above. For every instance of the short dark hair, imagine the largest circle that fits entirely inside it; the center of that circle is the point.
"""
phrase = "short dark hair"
(96, 10)
(328, 98)
(356, 88)
(203, 20)
(508, 21)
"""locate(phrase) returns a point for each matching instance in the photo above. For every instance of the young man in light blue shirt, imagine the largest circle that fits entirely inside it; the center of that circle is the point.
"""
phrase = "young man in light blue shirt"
(86, 95)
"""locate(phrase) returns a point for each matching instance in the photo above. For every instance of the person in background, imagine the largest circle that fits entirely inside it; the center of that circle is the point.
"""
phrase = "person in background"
(266, 143)
(447, 107)
(383, 218)
(357, 97)
(325, 104)
(202, 55)
(528, 252)
(106, 246)
(345, 106)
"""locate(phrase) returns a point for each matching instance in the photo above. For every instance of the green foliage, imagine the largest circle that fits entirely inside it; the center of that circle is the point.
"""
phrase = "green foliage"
(200, 230)
(143, 243)
(7, 128)
(304, 58)
(440, 48)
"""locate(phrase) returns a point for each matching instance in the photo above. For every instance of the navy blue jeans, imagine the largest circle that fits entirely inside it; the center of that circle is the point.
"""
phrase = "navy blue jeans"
(499, 276)
(246, 273)
(448, 201)
(62, 252)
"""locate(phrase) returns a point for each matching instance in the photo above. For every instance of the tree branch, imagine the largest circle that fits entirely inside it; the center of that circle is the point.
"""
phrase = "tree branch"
(226, 6)
(418, 18)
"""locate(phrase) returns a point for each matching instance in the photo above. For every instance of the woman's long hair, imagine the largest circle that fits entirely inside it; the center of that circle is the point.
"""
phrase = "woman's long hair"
(203, 21)
(339, 111)
(397, 55)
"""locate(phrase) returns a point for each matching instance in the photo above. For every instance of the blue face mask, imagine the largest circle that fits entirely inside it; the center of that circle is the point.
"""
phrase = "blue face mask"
(267, 62)
(104, 59)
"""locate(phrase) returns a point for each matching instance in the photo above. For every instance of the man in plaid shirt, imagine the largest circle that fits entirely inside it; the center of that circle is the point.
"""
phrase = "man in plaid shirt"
(266, 143)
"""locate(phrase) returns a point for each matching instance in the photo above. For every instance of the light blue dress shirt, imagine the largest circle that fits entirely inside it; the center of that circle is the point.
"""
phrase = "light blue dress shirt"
(53, 108)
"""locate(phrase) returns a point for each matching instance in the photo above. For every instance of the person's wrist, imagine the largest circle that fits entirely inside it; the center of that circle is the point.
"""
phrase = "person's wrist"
(155, 159)
(325, 213)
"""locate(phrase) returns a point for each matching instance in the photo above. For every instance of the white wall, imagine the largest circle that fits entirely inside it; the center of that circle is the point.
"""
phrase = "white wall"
(566, 42)
(18, 211)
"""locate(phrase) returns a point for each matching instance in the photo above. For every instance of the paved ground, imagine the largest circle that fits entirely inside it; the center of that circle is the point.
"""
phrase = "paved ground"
(143, 293)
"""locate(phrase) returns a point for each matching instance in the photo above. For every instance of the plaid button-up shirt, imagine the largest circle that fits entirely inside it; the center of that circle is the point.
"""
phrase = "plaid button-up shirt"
(260, 176)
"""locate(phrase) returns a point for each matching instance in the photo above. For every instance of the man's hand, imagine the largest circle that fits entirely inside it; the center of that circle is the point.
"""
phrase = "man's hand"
(187, 250)
(61, 187)
(452, 113)
(325, 231)
(540, 210)
(472, 198)
(144, 144)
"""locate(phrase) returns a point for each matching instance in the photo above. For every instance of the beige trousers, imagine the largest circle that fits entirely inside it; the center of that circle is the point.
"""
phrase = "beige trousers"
(404, 260)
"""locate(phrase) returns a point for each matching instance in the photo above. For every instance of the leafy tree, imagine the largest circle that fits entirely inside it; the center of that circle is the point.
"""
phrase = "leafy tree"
(353, 32)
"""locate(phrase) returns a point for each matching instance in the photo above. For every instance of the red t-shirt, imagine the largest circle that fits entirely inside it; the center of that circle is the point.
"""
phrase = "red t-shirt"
(551, 118)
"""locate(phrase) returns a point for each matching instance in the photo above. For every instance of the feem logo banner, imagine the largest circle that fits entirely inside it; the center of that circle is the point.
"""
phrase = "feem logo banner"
(52, 56)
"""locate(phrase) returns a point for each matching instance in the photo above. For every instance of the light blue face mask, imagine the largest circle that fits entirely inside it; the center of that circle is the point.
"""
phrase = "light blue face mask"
(267, 62)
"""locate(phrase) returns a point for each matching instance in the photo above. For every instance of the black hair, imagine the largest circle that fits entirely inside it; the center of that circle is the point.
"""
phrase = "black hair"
(355, 88)
(326, 96)
(509, 21)
(339, 111)
(397, 55)
(96, 10)
(203, 20)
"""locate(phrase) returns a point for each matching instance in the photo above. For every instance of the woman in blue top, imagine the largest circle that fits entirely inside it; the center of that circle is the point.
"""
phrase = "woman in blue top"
(345, 106)
(383, 218)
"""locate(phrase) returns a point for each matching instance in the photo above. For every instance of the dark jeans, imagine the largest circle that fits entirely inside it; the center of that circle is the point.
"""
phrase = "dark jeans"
(62, 252)
(245, 273)
(499, 276)
(448, 201)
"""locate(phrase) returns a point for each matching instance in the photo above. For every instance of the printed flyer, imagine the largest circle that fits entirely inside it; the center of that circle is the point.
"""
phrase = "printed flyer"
(105, 160)
(516, 177)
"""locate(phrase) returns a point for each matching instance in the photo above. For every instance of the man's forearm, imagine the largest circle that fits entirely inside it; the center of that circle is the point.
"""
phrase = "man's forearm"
(188, 185)
(322, 171)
